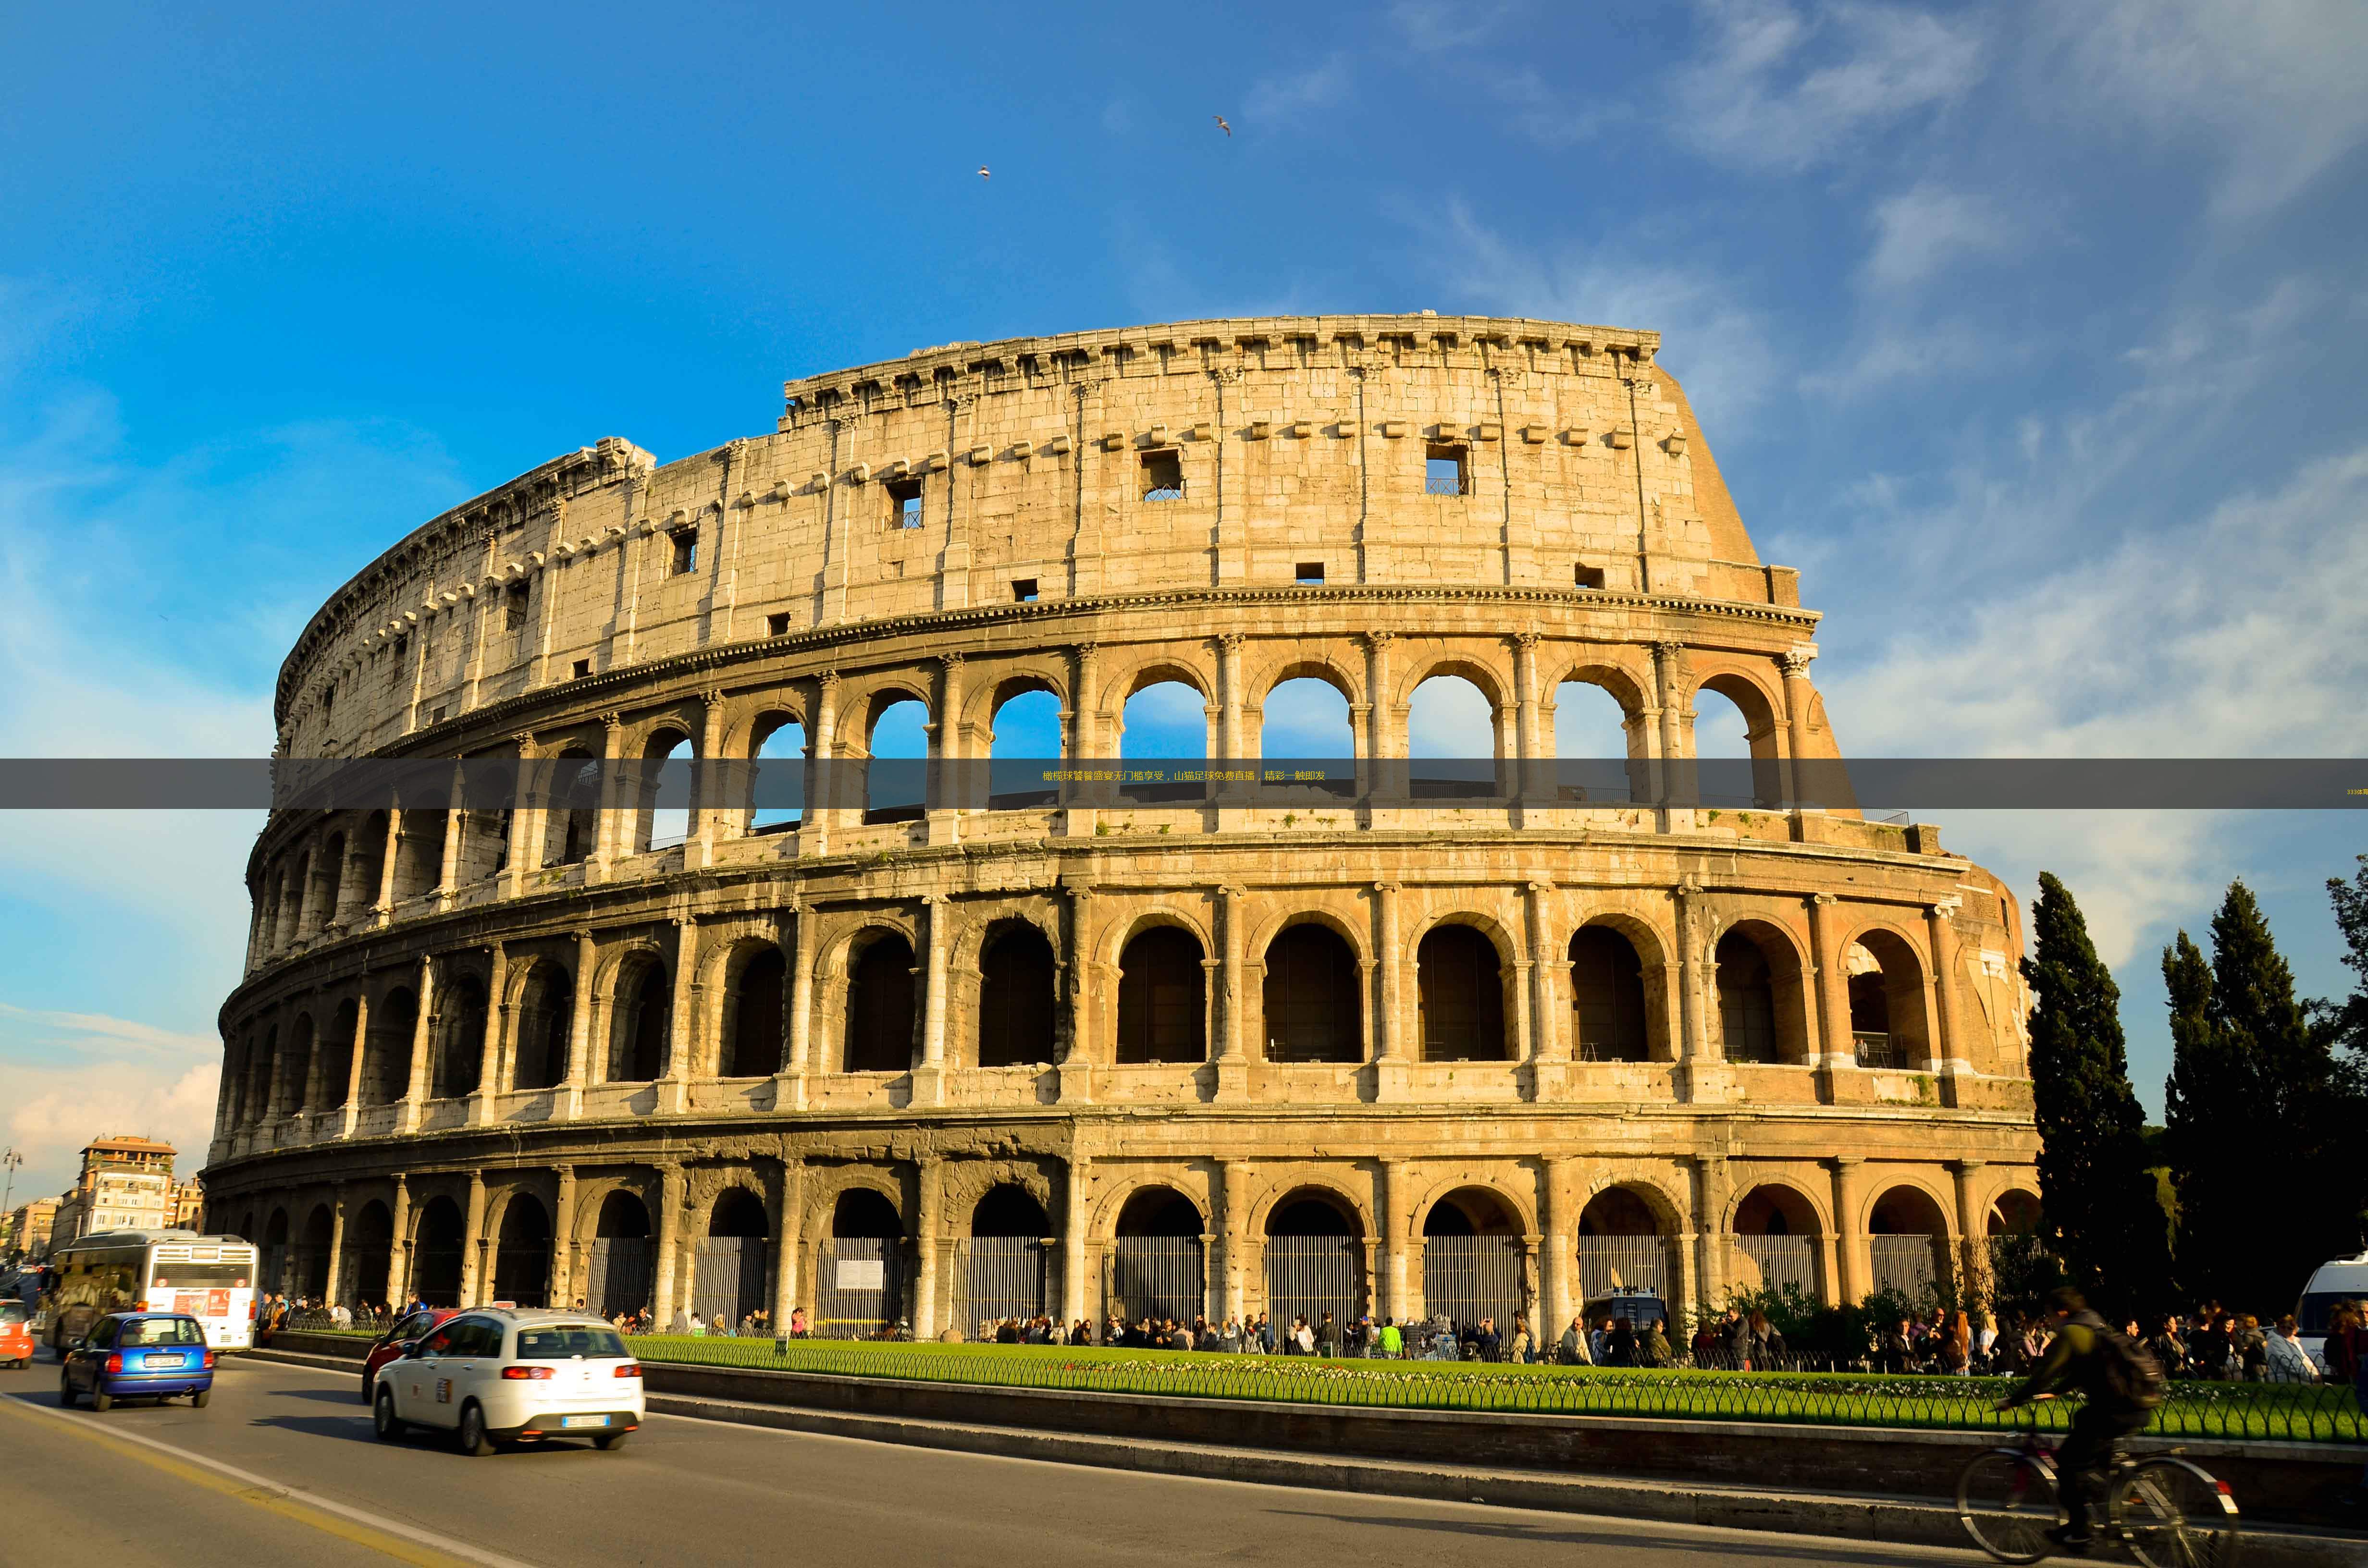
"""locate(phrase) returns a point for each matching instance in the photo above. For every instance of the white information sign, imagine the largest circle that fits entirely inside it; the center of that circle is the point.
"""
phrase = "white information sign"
(862, 1274)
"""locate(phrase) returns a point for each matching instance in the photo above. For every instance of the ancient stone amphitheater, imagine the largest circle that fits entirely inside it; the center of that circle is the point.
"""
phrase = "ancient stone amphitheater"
(1175, 1050)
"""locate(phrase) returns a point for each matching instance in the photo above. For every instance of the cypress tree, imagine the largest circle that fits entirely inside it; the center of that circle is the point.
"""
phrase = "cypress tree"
(2099, 1202)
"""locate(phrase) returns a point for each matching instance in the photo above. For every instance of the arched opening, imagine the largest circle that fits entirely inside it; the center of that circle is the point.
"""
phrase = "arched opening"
(1462, 996)
(1905, 1237)
(1775, 1242)
(546, 1021)
(1025, 727)
(777, 790)
(436, 1253)
(1164, 721)
(1591, 730)
(1451, 737)
(1313, 996)
(1161, 1017)
(754, 1006)
(260, 1070)
(2015, 1213)
(643, 1018)
(880, 1007)
(619, 1264)
(386, 1055)
(728, 1275)
(1886, 1002)
(1763, 995)
(1315, 1260)
(329, 882)
(1015, 997)
(1623, 1249)
(296, 1083)
(337, 1055)
(1158, 1261)
(369, 1241)
(275, 1251)
(662, 805)
(859, 1283)
(1741, 724)
(522, 1254)
(370, 863)
(310, 1277)
(1607, 997)
(292, 913)
(460, 1037)
(895, 780)
(1304, 721)
(1003, 1270)
(419, 853)
(573, 824)
(1474, 1264)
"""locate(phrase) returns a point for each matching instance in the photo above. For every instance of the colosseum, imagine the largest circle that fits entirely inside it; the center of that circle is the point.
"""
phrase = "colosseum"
(933, 1059)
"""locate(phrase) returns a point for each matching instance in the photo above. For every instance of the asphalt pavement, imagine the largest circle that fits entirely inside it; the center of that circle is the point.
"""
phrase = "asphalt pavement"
(282, 1467)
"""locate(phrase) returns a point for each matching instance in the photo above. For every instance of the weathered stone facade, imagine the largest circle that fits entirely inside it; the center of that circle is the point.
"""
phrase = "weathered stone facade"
(1571, 1027)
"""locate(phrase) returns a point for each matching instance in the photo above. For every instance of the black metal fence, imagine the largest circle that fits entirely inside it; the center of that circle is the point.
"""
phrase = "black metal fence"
(1309, 1275)
(859, 1287)
(1155, 1278)
(997, 1278)
(1466, 1278)
(727, 1279)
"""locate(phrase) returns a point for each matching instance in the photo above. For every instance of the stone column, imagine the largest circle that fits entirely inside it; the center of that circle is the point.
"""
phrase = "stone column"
(387, 861)
(415, 1094)
(822, 798)
(789, 1083)
(929, 1077)
(928, 1223)
(1795, 663)
(944, 790)
(604, 837)
(1559, 1247)
(1712, 1190)
(1233, 1182)
(456, 832)
(336, 1247)
(1551, 1038)
(802, 967)
(1529, 745)
(561, 1292)
(489, 1050)
(474, 1283)
(792, 1209)
(1233, 1061)
(1379, 749)
(398, 1250)
(1391, 1203)
(1085, 1042)
(682, 1017)
(1692, 999)
(1394, 1049)
(579, 1023)
(1973, 1260)
(662, 1291)
(1084, 736)
(1948, 1049)
(523, 854)
(1832, 992)
(1855, 1269)
(706, 802)
(1668, 675)
(351, 1106)
(1073, 1304)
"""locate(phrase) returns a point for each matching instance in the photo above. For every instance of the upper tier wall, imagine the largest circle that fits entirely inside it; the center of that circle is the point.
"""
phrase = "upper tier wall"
(1300, 441)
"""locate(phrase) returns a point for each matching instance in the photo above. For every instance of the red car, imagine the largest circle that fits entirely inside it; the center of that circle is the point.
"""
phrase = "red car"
(407, 1330)
(16, 1334)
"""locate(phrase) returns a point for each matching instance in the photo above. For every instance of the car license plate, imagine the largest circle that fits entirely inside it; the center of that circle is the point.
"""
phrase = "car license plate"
(583, 1421)
(166, 1362)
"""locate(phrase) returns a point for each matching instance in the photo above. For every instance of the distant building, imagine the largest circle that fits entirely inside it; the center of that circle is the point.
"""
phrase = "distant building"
(125, 1185)
(26, 1228)
(187, 1208)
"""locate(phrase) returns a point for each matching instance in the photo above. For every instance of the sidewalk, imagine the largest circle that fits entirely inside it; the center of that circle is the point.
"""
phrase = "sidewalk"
(1890, 1520)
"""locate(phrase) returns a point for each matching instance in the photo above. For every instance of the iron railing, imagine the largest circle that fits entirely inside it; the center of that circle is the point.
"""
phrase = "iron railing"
(1880, 1051)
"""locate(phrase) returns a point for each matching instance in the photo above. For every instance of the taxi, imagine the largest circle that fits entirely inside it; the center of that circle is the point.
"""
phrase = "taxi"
(496, 1375)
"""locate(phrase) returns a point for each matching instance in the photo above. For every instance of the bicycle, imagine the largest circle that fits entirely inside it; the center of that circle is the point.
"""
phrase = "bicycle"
(2170, 1511)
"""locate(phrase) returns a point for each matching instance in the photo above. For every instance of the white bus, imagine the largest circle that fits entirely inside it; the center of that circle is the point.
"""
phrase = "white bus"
(212, 1279)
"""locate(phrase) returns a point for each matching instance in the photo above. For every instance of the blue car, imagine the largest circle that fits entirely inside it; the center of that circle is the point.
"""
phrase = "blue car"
(139, 1355)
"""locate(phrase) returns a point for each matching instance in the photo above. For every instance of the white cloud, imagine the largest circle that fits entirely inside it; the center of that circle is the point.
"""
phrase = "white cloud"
(1929, 227)
(70, 1077)
(2268, 90)
(1786, 88)
(1433, 26)
(1273, 99)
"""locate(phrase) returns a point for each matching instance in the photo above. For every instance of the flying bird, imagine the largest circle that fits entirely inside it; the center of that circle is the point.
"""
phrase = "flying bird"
(981, 172)
(1222, 125)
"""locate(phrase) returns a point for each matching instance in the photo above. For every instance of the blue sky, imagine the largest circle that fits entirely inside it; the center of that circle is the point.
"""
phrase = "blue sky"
(2033, 335)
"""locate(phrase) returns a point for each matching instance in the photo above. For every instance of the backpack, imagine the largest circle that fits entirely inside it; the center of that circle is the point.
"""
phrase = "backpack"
(2127, 1371)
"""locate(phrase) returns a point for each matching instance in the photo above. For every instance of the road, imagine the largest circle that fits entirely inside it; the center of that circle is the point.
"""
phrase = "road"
(307, 1482)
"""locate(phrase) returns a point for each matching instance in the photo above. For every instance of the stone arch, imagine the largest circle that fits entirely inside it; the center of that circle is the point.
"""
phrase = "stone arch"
(755, 990)
(662, 809)
(1628, 1230)
(1355, 1213)
(309, 1273)
(457, 1037)
(329, 879)
(2015, 1212)
(1802, 1211)
(1615, 1015)
(336, 1052)
(439, 1238)
(1764, 992)
(296, 877)
(1481, 1208)
(386, 1055)
(1762, 715)
(620, 1255)
(1311, 996)
(262, 1068)
(1464, 970)
(1493, 684)
(1162, 1014)
(895, 787)
(823, 1204)
(545, 1023)
(1124, 685)
(1009, 1209)
(1294, 713)
(772, 722)
(370, 1240)
(295, 1078)
(640, 1016)
(1019, 1003)
(522, 1251)
(737, 1207)
(883, 1003)
(1885, 972)
(1908, 1238)
(1151, 1206)
(275, 1259)
(1779, 1236)
(571, 826)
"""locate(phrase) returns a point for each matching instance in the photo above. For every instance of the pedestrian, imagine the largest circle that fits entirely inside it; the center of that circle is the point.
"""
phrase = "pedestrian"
(2250, 1350)
(1572, 1348)
(1956, 1353)
(1598, 1348)
(797, 1323)
(1265, 1335)
(1328, 1336)
(1486, 1343)
(1620, 1346)
(2283, 1359)
(1735, 1340)
(1655, 1347)
(2165, 1346)
(1892, 1348)
(1393, 1340)
(1766, 1342)
(1520, 1340)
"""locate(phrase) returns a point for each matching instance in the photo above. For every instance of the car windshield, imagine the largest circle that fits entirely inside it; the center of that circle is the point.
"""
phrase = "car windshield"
(162, 1331)
(565, 1340)
(14, 1312)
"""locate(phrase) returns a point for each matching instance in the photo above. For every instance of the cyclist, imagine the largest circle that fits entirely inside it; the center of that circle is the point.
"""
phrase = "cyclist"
(2120, 1385)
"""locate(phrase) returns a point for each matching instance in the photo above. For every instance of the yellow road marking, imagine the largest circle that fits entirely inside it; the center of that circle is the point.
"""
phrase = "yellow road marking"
(390, 1538)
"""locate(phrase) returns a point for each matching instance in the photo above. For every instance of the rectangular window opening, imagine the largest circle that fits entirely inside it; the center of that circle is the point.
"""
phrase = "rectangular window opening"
(436, 716)
(1023, 589)
(1446, 469)
(1163, 474)
(583, 668)
(514, 607)
(903, 502)
(777, 625)
(1587, 576)
(1310, 574)
(686, 551)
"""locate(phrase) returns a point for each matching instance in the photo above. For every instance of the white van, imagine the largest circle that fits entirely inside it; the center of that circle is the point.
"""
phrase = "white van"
(2340, 1279)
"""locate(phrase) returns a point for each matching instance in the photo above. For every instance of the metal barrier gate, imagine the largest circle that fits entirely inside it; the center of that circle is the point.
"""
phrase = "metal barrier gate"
(1632, 1263)
(997, 1277)
(1905, 1264)
(727, 1277)
(1156, 1276)
(1309, 1275)
(617, 1275)
(1471, 1278)
(858, 1287)
(1775, 1263)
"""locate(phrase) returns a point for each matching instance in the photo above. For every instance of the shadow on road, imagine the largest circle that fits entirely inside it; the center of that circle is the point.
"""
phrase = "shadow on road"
(1771, 1545)
(354, 1428)
(325, 1396)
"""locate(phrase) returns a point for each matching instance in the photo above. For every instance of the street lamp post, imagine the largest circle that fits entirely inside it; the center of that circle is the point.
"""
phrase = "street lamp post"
(10, 1159)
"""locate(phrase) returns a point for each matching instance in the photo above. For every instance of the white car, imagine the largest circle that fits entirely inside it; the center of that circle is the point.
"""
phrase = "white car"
(2337, 1280)
(499, 1374)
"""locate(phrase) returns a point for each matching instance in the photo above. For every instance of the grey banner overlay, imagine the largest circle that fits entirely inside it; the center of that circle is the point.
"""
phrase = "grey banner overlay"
(900, 786)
